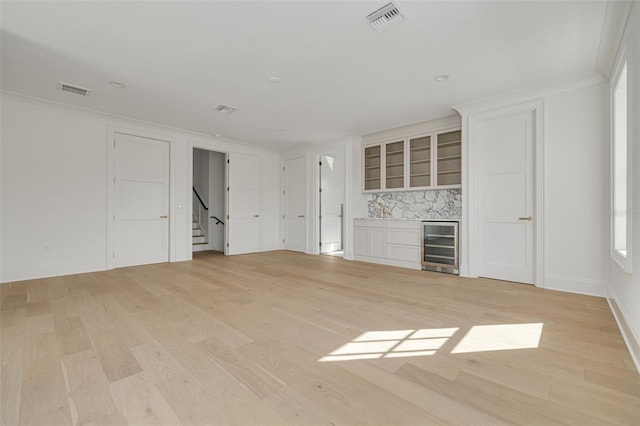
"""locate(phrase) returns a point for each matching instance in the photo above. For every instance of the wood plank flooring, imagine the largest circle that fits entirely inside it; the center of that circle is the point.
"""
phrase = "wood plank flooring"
(286, 338)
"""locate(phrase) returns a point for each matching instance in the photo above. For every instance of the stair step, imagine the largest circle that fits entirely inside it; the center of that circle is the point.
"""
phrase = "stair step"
(199, 244)
(199, 239)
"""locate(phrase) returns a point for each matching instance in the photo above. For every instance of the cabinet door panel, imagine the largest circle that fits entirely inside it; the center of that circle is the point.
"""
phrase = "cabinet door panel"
(372, 168)
(394, 165)
(420, 162)
(362, 241)
(449, 158)
(377, 242)
(405, 253)
(405, 237)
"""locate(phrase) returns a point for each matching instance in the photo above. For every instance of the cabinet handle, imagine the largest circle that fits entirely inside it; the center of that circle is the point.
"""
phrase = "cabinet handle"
(256, 215)
(300, 215)
(528, 218)
(164, 216)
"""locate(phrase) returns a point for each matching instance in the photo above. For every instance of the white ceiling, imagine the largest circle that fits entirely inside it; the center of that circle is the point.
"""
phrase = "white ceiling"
(180, 60)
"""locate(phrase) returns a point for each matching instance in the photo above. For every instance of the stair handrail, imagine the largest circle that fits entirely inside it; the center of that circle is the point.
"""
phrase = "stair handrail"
(218, 221)
(201, 214)
(200, 199)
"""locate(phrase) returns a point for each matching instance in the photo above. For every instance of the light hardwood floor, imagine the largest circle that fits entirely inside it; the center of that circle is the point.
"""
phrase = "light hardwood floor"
(264, 339)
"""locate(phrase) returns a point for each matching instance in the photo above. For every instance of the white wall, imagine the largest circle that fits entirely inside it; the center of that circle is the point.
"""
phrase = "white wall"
(201, 174)
(624, 288)
(576, 190)
(55, 189)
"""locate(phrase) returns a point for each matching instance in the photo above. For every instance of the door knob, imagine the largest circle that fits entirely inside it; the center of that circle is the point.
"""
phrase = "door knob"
(528, 218)
(256, 215)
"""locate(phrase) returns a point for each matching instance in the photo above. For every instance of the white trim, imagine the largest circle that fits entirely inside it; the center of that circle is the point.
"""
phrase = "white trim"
(625, 329)
(470, 244)
(576, 285)
(110, 228)
(615, 21)
(625, 262)
(530, 93)
(52, 270)
(330, 149)
(34, 100)
(211, 148)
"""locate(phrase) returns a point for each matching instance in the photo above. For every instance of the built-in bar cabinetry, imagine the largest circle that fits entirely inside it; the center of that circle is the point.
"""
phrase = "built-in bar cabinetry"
(431, 160)
(388, 242)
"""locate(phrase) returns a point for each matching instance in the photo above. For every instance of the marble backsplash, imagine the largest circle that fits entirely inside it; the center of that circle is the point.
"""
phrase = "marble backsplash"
(434, 204)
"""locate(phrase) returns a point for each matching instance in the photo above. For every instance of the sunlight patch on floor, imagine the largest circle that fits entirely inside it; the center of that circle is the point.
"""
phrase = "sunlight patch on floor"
(500, 337)
(392, 344)
(428, 341)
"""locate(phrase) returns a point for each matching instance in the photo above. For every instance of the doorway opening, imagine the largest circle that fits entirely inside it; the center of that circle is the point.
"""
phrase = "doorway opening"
(208, 201)
(331, 204)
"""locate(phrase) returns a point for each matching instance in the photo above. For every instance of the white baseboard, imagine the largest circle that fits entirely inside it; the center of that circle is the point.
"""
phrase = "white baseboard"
(51, 270)
(270, 247)
(627, 333)
(575, 285)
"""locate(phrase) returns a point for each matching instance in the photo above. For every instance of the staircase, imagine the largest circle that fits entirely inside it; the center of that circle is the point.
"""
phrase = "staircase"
(199, 236)
(199, 223)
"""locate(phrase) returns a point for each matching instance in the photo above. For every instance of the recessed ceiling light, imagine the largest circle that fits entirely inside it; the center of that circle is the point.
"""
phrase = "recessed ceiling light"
(274, 79)
(117, 84)
(441, 77)
(280, 130)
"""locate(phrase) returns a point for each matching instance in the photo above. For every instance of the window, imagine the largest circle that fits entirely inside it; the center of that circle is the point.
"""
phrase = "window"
(621, 205)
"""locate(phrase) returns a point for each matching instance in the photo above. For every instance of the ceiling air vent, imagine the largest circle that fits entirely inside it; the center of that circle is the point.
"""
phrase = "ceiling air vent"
(227, 109)
(77, 90)
(386, 17)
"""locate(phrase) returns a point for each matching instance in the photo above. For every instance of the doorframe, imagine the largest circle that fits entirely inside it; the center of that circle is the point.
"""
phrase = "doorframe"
(472, 191)
(141, 133)
(317, 201)
(206, 147)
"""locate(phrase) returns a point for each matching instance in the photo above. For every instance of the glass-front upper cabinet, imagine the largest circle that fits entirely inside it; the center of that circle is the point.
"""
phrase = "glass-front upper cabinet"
(449, 158)
(372, 168)
(430, 160)
(394, 165)
(420, 162)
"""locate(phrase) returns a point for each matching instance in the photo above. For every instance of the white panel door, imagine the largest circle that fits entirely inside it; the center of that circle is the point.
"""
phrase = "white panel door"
(507, 246)
(243, 224)
(295, 201)
(141, 201)
(331, 200)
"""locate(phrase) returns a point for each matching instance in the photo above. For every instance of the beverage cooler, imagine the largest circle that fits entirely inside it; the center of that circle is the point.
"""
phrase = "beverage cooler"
(440, 251)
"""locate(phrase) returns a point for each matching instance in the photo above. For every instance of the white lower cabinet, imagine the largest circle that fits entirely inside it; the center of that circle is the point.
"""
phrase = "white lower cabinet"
(370, 238)
(388, 241)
